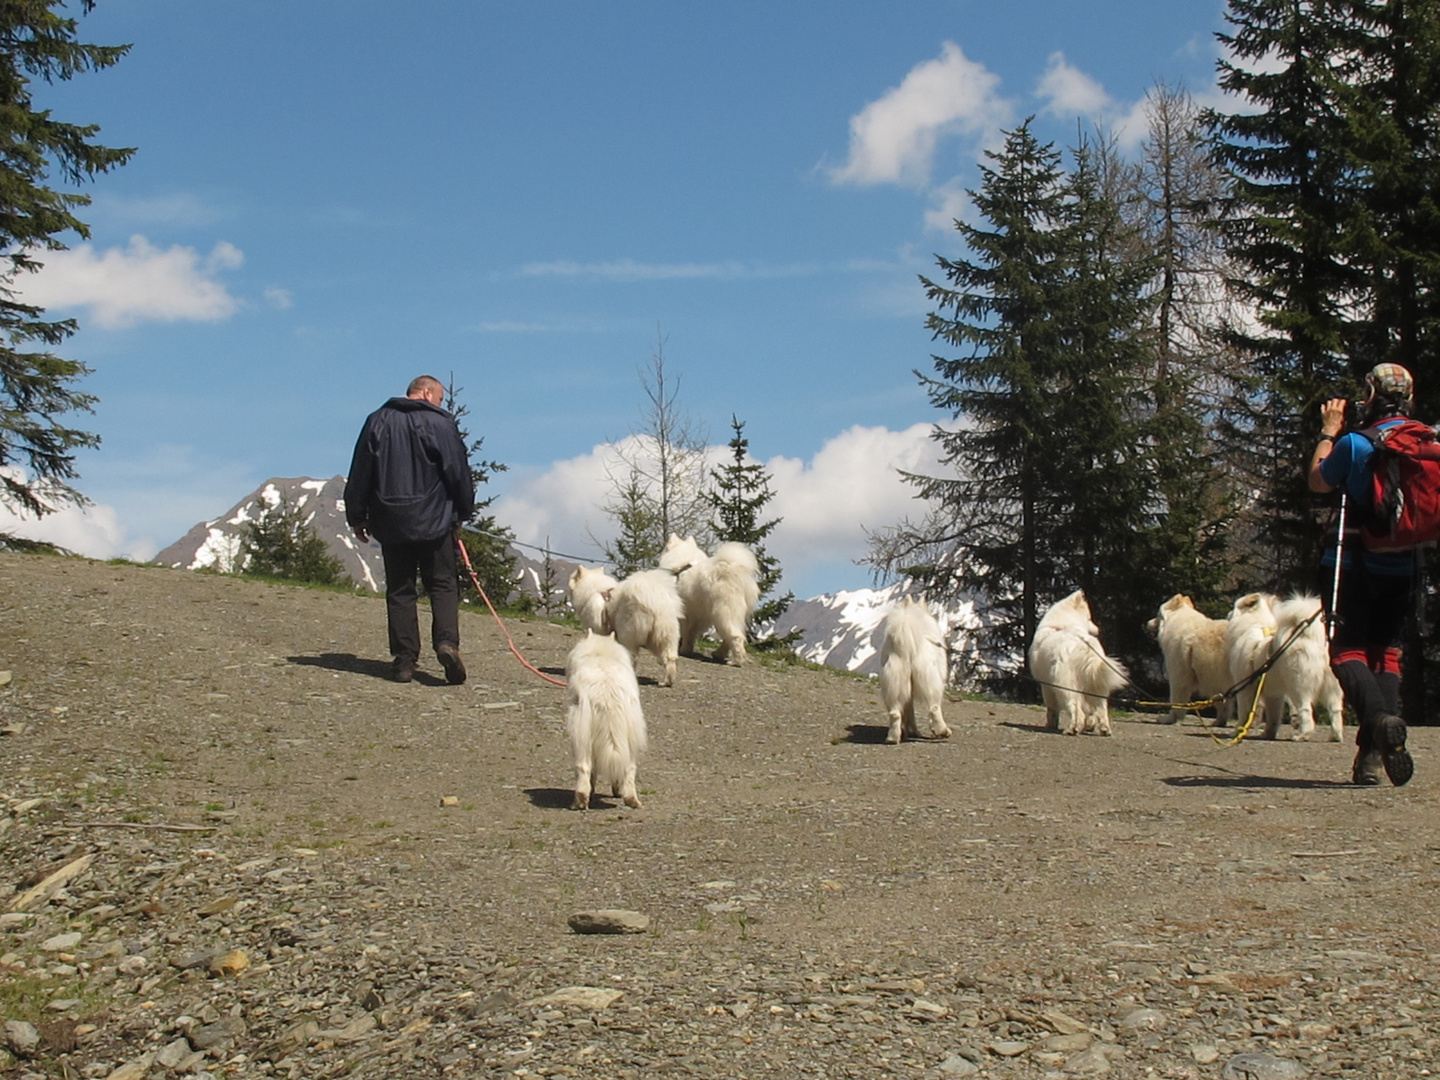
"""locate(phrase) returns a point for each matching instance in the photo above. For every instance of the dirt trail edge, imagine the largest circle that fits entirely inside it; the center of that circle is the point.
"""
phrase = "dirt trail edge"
(230, 848)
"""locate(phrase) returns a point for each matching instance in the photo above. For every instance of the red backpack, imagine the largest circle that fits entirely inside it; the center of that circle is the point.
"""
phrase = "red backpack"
(1405, 478)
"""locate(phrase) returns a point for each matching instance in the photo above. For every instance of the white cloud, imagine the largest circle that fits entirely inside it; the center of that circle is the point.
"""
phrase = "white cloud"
(280, 299)
(94, 531)
(893, 139)
(140, 282)
(850, 485)
(1068, 91)
(950, 202)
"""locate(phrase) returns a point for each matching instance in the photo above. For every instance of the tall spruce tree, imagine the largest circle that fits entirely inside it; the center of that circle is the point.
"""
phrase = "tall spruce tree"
(1336, 226)
(37, 387)
(739, 493)
(1290, 224)
(1046, 495)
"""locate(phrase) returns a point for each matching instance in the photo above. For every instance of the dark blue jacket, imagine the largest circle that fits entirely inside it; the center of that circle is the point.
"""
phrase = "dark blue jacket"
(410, 476)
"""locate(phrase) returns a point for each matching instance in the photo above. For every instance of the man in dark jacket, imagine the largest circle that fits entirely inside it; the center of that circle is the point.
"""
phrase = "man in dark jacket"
(410, 487)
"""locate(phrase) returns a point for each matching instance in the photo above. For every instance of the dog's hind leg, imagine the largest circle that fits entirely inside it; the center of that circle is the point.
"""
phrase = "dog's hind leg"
(1303, 717)
(626, 789)
(582, 786)
(897, 726)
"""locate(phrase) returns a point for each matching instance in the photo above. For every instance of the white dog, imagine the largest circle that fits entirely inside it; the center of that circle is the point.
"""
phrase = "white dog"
(1195, 660)
(1301, 677)
(1075, 675)
(1248, 634)
(589, 589)
(719, 591)
(606, 726)
(645, 610)
(912, 670)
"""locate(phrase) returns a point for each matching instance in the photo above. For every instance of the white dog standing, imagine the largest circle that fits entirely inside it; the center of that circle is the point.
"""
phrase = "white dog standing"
(1075, 675)
(589, 589)
(645, 610)
(720, 592)
(1248, 634)
(1301, 677)
(1195, 660)
(603, 718)
(912, 670)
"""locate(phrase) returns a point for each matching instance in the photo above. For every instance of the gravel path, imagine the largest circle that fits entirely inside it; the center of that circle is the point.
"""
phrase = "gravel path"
(280, 864)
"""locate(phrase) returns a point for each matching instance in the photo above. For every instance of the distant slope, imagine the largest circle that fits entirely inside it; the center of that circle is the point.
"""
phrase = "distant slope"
(837, 630)
(216, 544)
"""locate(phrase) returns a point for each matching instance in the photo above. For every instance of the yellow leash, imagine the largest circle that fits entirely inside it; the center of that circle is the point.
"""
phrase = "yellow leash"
(1244, 729)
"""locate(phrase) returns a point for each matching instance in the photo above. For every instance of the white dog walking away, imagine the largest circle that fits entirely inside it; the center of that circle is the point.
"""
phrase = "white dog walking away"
(1075, 676)
(589, 589)
(645, 610)
(720, 592)
(912, 670)
(1248, 633)
(603, 718)
(1300, 679)
(1193, 645)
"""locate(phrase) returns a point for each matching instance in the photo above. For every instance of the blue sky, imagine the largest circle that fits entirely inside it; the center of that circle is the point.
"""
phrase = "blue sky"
(331, 196)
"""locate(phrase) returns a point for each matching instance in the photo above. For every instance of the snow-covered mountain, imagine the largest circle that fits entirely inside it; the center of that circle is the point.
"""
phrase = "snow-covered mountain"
(215, 545)
(837, 630)
(841, 630)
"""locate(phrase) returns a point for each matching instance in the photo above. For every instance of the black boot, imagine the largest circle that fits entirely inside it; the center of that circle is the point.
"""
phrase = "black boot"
(1389, 738)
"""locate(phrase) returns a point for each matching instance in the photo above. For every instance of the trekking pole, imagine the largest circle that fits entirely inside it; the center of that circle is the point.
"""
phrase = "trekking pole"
(1339, 557)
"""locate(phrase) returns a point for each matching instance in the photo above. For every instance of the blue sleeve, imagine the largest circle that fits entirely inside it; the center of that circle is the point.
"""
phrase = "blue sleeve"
(1345, 465)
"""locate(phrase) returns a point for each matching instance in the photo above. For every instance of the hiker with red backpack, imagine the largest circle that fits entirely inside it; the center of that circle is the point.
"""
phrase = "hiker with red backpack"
(1381, 470)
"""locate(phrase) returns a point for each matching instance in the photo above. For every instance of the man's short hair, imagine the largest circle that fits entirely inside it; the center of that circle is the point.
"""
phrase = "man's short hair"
(423, 382)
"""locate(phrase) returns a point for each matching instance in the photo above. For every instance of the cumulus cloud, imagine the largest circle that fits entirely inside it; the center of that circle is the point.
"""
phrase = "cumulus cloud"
(94, 531)
(827, 503)
(893, 139)
(1067, 91)
(120, 287)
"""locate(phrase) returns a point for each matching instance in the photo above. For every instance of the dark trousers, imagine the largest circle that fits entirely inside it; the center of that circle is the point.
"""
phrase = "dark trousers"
(434, 562)
(1365, 650)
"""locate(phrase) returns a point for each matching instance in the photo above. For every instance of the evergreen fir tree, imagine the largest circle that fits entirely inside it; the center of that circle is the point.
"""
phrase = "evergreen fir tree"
(1052, 477)
(37, 450)
(486, 541)
(640, 540)
(1290, 223)
(739, 492)
(281, 543)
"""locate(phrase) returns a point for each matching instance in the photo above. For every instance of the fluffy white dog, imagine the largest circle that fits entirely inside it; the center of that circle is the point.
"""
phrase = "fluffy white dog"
(719, 591)
(589, 589)
(1195, 660)
(1248, 634)
(645, 610)
(912, 670)
(1300, 678)
(1075, 675)
(603, 718)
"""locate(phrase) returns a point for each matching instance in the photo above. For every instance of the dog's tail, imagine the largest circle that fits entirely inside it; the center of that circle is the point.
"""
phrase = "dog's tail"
(1101, 675)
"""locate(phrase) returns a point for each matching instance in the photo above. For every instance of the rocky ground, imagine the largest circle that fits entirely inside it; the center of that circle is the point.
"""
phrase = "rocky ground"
(229, 847)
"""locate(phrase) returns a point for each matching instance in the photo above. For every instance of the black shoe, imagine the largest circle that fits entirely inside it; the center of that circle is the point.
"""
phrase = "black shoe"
(1390, 737)
(1366, 772)
(450, 660)
(402, 670)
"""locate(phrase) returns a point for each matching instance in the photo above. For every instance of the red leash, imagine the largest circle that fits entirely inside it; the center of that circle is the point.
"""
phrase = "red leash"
(465, 555)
